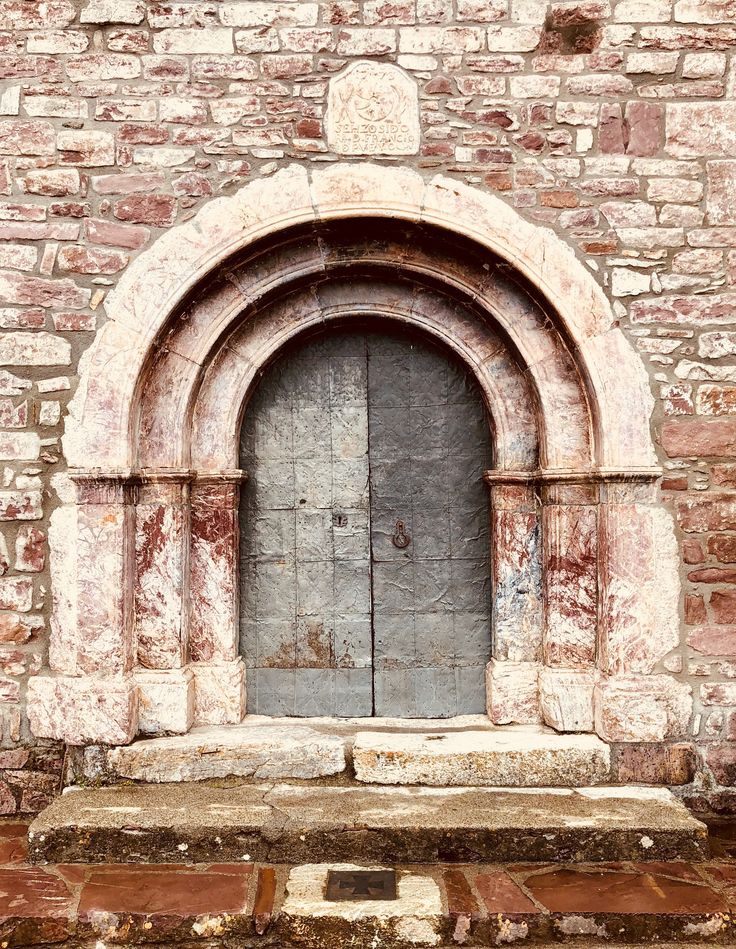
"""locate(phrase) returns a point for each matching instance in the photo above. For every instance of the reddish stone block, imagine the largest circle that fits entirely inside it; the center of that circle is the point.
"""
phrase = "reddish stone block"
(721, 759)
(99, 231)
(654, 763)
(611, 891)
(91, 260)
(712, 575)
(192, 184)
(151, 891)
(130, 134)
(691, 437)
(264, 900)
(158, 210)
(715, 512)
(460, 898)
(30, 549)
(724, 475)
(13, 843)
(723, 547)
(501, 895)
(36, 291)
(723, 605)
(713, 640)
(31, 893)
(695, 611)
(27, 138)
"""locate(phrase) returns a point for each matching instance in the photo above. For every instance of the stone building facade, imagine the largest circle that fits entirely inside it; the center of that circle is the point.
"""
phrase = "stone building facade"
(544, 187)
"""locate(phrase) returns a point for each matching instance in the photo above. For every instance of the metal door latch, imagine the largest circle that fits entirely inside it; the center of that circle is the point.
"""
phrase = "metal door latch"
(400, 539)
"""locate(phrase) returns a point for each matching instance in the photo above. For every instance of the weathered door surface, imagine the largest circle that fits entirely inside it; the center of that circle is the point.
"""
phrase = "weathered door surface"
(365, 574)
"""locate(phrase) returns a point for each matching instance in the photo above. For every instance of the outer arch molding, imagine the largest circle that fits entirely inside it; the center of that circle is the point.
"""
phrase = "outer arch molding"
(98, 427)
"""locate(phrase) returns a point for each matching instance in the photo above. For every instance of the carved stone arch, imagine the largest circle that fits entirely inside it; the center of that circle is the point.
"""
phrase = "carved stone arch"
(150, 531)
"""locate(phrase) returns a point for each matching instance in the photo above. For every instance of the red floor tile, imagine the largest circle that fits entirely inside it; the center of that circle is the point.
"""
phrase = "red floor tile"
(265, 897)
(460, 898)
(13, 843)
(501, 895)
(182, 891)
(576, 891)
(28, 892)
(683, 871)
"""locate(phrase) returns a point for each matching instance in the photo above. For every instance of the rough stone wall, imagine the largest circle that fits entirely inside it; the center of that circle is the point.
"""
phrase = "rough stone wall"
(612, 122)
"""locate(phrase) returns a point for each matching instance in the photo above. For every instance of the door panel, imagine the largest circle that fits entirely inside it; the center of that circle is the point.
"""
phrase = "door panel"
(429, 444)
(305, 552)
(346, 435)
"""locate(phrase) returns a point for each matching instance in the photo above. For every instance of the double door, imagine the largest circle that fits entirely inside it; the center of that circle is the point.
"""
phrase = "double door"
(365, 575)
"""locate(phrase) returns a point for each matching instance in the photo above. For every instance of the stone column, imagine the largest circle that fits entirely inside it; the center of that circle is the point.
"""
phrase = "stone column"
(162, 568)
(165, 687)
(214, 600)
(516, 626)
(570, 569)
(639, 622)
(90, 695)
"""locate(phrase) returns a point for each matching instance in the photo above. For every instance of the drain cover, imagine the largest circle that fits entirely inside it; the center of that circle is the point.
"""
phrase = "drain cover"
(361, 885)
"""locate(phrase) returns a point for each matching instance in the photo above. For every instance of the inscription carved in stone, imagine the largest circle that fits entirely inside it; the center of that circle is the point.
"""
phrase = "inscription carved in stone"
(373, 109)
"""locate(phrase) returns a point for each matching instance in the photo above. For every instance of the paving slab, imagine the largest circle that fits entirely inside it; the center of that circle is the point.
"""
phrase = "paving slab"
(481, 759)
(265, 752)
(283, 823)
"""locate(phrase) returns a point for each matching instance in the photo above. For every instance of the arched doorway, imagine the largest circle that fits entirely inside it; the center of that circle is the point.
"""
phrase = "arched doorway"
(365, 554)
(144, 546)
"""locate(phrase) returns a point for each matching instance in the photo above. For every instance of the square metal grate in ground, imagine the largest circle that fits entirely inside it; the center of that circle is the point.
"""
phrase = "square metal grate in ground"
(361, 885)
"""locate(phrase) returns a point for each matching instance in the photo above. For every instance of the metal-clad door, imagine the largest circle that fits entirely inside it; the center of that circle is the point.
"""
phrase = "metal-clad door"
(429, 444)
(364, 532)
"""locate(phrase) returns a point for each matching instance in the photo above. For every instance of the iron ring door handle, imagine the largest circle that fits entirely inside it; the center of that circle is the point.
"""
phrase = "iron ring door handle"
(400, 539)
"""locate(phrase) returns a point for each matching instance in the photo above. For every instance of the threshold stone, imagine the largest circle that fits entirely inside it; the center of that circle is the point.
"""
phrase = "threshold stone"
(288, 824)
(268, 752)
(481, 759)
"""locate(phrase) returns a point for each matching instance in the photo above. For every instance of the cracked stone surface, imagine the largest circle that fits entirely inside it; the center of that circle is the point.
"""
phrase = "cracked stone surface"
(268, 752)
(283, 823)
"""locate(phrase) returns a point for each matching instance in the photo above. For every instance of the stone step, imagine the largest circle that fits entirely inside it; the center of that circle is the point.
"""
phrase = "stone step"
(282, 823)
(464, 752)
(481, 759)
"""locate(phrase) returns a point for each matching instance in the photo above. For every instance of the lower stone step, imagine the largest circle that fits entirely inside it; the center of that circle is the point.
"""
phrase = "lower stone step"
(282, 823)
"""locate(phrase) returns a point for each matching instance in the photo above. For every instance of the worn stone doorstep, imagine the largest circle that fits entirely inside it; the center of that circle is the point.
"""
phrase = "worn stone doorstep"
(282, 823)
(466, 751)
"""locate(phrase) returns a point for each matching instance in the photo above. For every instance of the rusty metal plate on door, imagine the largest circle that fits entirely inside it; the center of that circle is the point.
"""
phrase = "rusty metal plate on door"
(361, 885)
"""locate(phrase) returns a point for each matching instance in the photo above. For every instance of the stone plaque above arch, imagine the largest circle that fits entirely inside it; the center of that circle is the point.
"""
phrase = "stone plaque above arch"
(373, 109)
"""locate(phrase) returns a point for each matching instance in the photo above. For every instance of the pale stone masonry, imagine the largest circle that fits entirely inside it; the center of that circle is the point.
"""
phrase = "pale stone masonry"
(610, 125)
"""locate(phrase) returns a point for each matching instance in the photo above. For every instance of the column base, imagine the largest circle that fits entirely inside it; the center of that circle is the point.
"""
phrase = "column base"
(83, 710)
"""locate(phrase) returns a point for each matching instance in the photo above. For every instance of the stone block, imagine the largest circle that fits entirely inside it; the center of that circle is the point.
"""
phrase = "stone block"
(566, 699)
(165, 701)
(642, 708)
(83, 710)
(654, 763)
(721, 185)
(219, 693)
(488, 758)
(512, 690)
(266, 752)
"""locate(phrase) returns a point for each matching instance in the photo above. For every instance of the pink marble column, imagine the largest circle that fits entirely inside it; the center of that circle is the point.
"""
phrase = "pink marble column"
(162, 568)
(92, 629)
(570, 572)
(639, 621)
(516, 567)
(214, 601)
(90, 695)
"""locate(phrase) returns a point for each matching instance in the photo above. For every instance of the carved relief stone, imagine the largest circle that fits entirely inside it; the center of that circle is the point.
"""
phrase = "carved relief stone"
(373, 109)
